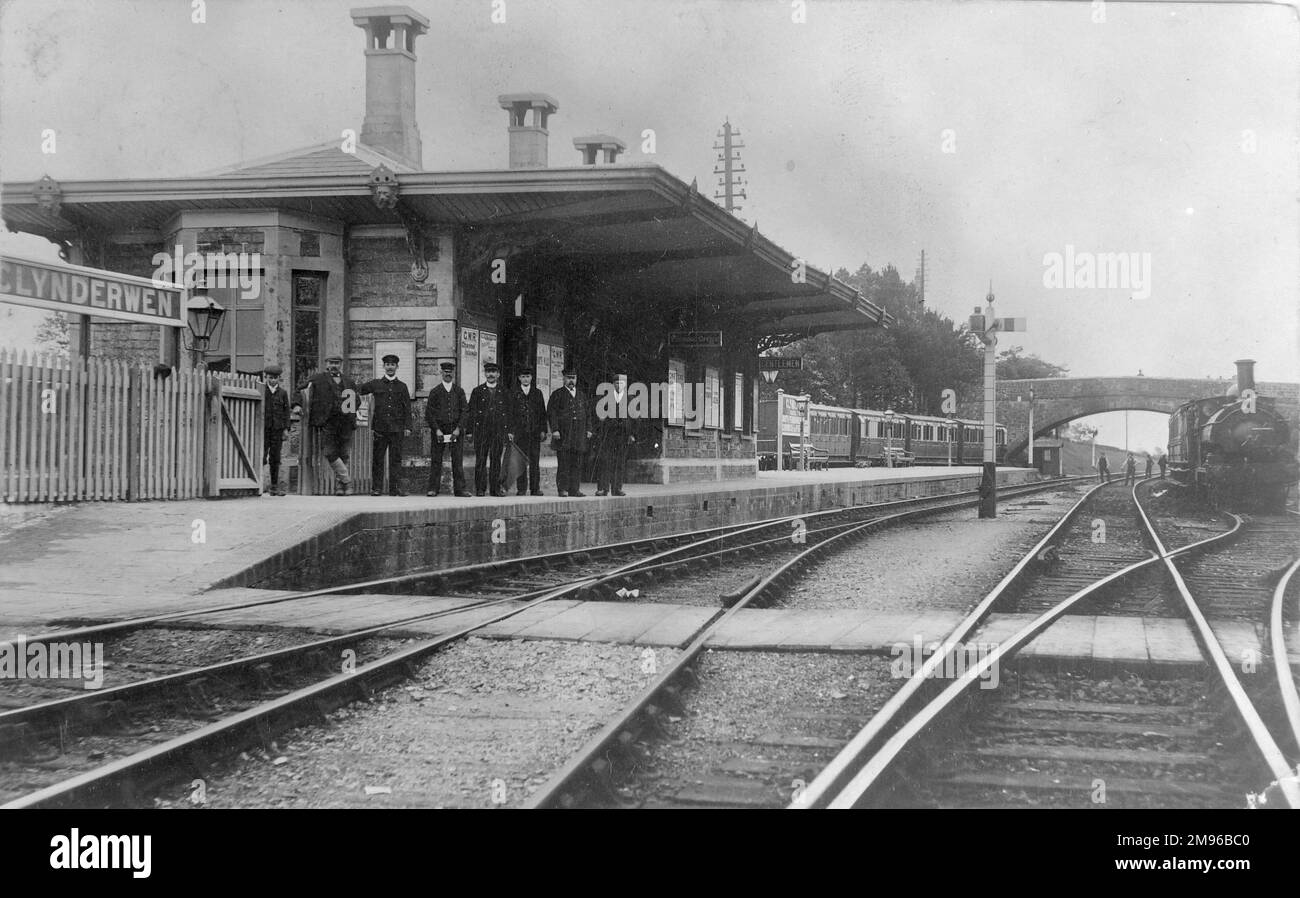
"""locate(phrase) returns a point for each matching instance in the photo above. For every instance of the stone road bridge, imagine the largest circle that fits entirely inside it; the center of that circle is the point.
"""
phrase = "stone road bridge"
(1060, 400)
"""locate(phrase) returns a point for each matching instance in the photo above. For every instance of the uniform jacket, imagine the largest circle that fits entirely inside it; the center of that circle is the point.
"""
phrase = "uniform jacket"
(571, 416)
(392, 409)
(526, 417)
(275, 410)
(488, 412)
(611, 432)
(327, 400)
(446, 411)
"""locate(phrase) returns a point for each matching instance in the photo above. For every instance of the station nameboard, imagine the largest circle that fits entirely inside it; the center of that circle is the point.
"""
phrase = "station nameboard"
(697, 339)
(90, 291)
(779, 363)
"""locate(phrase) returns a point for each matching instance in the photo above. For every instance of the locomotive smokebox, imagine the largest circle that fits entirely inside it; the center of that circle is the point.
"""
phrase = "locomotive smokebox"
(1245, 375)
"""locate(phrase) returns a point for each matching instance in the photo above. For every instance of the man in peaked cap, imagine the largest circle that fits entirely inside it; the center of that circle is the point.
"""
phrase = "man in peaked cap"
(570, 430)
(446, 416)
(526, 429)
(333, 416)
(275, 415)
(488, 413)
(389, 424)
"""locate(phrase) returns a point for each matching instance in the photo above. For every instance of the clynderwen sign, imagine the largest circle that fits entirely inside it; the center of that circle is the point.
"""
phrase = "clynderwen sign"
(90, 291)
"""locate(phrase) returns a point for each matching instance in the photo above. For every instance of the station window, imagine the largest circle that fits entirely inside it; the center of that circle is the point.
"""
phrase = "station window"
(242, 336)
(308, 297)
(738, 402)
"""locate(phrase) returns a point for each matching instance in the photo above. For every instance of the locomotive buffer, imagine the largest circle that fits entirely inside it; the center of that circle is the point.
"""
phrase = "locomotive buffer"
(986, 327)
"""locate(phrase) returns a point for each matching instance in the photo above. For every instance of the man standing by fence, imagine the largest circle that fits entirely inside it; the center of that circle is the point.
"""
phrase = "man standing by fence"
(275, 412)
(390, 422)
(333, 415)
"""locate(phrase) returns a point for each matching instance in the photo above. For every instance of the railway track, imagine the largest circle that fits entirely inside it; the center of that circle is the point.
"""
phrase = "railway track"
(1077, 737)
(797, 740)
(291, 676)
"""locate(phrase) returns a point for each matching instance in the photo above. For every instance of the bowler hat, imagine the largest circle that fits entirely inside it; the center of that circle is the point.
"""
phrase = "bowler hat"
(334, 358)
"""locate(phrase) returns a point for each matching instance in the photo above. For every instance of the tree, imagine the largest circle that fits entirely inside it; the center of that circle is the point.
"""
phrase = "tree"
(54, 334)
(1014, 366)
(1080, 432)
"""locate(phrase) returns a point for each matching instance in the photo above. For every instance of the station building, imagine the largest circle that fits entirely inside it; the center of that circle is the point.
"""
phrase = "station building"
(354, 248)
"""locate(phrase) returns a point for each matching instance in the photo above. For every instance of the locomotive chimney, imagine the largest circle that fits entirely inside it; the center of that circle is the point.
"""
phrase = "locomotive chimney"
(1245, 375)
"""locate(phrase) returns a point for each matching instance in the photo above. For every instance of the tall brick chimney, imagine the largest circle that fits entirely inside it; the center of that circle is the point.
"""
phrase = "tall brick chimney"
(390, 124)
(528, 134)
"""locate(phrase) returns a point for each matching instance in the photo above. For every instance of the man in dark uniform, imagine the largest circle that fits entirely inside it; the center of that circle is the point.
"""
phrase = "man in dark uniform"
(390, 422)
(614, 436)
(526, 427)
(446, 416)
(275, 415)
(334, 417)
(488, 415)
(1103, 468)
(570, 430)
(1164, 464)
(1149, 464)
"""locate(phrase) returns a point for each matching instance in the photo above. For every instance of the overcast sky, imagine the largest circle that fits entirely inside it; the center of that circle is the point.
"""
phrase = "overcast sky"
(989, 134)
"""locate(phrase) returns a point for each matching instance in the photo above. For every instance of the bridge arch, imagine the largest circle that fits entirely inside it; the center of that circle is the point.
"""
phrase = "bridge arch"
(1060, 400)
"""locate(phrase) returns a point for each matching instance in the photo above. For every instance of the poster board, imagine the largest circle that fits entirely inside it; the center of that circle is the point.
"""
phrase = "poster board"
(487, 352)
(557, 366)
(542, 370)
(468, 367)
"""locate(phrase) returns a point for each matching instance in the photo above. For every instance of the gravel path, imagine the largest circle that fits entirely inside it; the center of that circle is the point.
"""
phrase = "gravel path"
(482, 724)
(947, 561)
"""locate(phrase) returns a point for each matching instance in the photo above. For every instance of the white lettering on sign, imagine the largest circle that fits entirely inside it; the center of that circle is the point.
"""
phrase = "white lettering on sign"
(54, 286)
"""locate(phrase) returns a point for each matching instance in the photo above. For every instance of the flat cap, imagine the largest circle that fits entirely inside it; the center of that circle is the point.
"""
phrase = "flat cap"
(491, 366)
(273, 370)
(389, 359)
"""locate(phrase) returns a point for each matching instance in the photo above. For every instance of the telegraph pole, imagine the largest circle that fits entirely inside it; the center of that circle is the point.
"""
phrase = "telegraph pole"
(920, 276)
(731, 186)
(984, 325)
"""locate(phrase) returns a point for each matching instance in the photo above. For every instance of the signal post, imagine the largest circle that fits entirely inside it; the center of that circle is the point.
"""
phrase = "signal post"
(986, 327)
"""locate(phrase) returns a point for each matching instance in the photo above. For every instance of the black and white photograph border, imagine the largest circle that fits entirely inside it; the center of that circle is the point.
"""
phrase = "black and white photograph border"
(868, 404)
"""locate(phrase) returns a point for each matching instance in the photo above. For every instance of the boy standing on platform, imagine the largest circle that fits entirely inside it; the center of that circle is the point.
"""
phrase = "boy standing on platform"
(275, 415)
(334, 418)
(527, 429)
(447, 419)
(488, 414)
(390, 422)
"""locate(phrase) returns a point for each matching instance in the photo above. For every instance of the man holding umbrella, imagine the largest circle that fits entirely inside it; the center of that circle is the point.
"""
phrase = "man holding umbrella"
(526, 428)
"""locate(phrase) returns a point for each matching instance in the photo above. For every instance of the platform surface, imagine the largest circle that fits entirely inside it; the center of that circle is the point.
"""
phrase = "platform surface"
(119, 559)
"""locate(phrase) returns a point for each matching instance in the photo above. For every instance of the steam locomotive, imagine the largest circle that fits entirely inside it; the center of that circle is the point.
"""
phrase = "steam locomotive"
(1236, 450)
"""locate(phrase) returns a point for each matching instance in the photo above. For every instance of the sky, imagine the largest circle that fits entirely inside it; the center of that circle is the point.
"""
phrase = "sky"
(990, 134)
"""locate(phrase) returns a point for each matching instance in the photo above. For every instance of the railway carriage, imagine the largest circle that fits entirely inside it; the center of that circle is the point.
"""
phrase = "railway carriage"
(860, 437)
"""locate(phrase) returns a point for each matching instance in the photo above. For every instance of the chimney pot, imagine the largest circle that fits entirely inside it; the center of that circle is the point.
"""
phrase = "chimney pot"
(592, 145)
(390, 124)
(528, 134)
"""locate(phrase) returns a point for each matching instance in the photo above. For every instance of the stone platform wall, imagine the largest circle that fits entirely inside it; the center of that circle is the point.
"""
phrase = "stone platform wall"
(381, 544)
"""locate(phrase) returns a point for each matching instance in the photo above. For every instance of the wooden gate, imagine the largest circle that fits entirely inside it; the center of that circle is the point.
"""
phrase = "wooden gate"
(315, 478)
(235, 439)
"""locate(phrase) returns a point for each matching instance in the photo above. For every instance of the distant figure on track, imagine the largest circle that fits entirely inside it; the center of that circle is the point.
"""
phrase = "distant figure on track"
(1164, 463)
(1130, 469)
(1149, 465)
(1103, 469)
